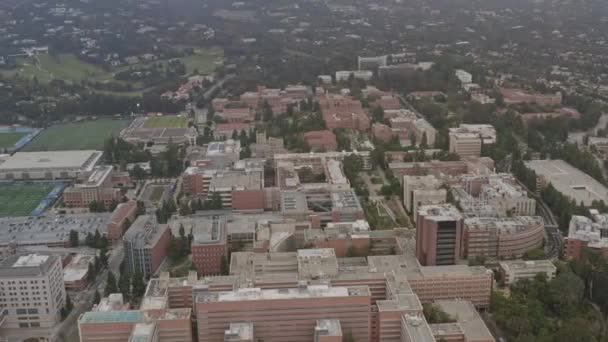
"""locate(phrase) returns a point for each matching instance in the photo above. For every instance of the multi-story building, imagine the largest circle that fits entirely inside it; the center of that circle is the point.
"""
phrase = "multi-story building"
(422, 190)
(465, 144)
(443, 169)
(146, 244)
(343, 112)
(239, 190)
(266, 147)
(485, 131)
(584, 232)
(512, 271)
(504, 237)
(407, 125)
(439, 235)
(316, 161)
(321, 140)
(371, 63)
(153, 322)
(98, 187)
(284, 314)
(31, 296)
(121, 218)
(344, 75)
(209, 245)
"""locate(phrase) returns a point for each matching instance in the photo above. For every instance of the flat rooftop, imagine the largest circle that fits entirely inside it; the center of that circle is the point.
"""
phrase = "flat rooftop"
(417, 329)
(526, 264)
(569, 180)
(310, 291)
(440, 212)
(51, 160)
(205, 229)
(239, 331)
(145, 231)
(127, 316)
(237, 180)
(469, 319)
(328, 327)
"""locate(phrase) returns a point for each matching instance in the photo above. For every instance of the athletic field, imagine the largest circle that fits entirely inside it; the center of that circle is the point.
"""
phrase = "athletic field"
(27, 198)
(85, 135)
(166, 122)
(9, 139)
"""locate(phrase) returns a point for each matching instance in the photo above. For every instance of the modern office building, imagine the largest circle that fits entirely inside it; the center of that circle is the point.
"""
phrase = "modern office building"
(146, 244)
(465, 144)
(32, 295)
(439, 235)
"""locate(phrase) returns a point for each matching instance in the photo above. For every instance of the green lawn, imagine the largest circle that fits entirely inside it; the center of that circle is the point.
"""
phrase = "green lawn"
(65, 67)
(21, 198)
(170, 121)
(157, 193)
(9, 139)
(86, 135)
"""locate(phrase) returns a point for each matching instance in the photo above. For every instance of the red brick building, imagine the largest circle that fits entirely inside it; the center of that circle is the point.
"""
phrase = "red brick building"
(343, 112)
(209, 245)
(122, 213)
(98, 187)
(382, 132)
(248, 200)
(321, 140)
(439, 235)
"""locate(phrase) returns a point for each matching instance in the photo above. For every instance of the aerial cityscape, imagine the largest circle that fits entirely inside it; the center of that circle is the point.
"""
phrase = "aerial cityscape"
(311, 171)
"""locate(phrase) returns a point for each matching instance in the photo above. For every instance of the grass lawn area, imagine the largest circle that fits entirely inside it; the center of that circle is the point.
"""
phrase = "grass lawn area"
(9, 139)
(157, 193)
(171, 121)
(203, 60)
(86, 135)
(65, 67)
(21, 198)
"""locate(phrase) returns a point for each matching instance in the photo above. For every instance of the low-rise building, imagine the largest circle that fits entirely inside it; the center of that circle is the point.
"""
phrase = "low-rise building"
(341, 111)
(48, 165)
(515, 270)
(76, 272)
(584, 232)
(321, 141)
(98, 187)
(344, 75)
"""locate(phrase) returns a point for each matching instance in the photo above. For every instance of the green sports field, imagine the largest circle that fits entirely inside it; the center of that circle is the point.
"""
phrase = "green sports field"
(21, 198)
(85, 135)
(9, 139)
(166, 122)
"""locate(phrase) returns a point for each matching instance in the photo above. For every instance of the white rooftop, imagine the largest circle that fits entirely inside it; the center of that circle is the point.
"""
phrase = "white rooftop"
(85, 159)
(31, 260)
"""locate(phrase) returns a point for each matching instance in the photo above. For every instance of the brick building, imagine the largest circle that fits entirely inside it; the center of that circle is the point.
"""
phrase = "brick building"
(343, 112)
(439, 235)
(117, 223)
(321, 140)
(146, 245)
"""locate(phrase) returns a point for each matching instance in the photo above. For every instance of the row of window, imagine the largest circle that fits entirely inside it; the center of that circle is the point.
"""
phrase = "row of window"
(12, 282)
(29, 325)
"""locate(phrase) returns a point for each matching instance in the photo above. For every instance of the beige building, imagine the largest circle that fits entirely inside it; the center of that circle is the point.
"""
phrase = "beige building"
(422, 190)
(31, 296)
(465, 144)
(512, 271)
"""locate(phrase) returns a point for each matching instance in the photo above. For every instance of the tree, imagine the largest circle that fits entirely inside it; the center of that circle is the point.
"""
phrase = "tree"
(74, 242)
(124, 285)
(91, 273)
(139, 286)
(566, 292)
(96, 297)
(224, 267)
(185, 210)
(173, 252)
(111, 286)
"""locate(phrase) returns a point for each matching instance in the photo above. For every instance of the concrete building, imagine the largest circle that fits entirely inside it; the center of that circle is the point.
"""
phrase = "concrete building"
(328, 330)
(209, 245)
(465, 144)
(98, 187)
(122, 216)
(407, 125)
(439, 235)
(298, 310)
(323, 141)
(239, 190)
(50, 230)
(497, 195)
(422, 190)
(568, 180)
(139, 132)
(76, 272)
(485, 131)
(31, 296)
(443, 169)
(468, 320)
(239, 332)
(505, 237)
(266, 147)
(48, 165)
(372, 63)
(512, 271)
(146, 244)
(344, 75)
(584, 232)
(316, 161)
